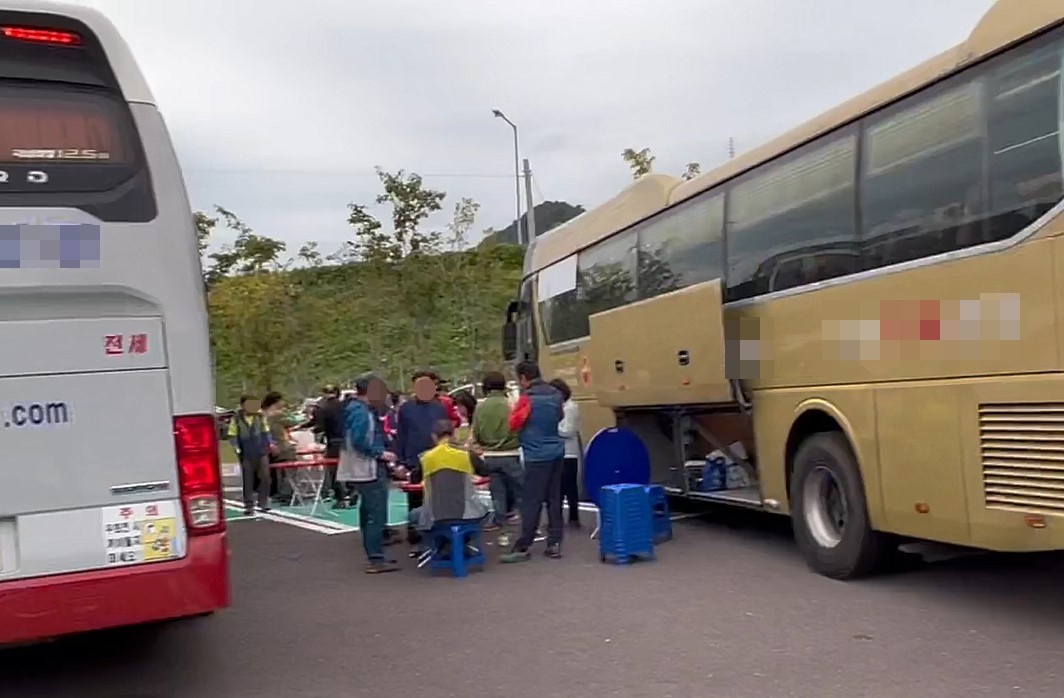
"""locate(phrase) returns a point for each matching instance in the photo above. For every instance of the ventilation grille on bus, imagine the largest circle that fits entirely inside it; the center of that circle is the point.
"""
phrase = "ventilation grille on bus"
(1023, 456)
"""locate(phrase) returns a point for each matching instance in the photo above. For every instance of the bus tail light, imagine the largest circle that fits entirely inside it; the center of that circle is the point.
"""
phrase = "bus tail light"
(196, 441)
(41, 36)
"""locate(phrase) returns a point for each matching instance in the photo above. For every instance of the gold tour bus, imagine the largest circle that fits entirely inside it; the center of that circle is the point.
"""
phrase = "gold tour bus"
(862, 314)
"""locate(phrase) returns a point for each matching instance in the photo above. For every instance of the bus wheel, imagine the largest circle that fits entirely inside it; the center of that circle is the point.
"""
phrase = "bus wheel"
(830, 516)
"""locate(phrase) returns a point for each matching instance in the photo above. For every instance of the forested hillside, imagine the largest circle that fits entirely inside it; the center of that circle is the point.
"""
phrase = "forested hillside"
(396, 298)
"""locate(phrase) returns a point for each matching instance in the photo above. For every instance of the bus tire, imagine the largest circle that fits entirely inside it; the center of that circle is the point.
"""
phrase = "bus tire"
(829, 512)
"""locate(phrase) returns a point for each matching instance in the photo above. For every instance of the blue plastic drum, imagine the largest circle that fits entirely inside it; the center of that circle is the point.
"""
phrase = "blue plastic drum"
(615, 456)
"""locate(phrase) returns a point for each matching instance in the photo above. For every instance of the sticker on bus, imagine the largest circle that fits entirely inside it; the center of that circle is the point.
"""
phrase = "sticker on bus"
(142, 532)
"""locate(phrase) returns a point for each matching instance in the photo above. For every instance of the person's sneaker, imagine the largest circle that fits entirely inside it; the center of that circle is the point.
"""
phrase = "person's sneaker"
(516, 556)
(513, 517)
(382, 566)
(554, 552)
(341, 504)
(264, 509)
(491, 527)
(539, 536)
(503, 541)
(249, 511)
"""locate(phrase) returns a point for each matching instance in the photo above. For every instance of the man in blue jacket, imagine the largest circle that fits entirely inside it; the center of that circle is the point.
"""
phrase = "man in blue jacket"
(415, 422)
(366, 438)
(535, 419)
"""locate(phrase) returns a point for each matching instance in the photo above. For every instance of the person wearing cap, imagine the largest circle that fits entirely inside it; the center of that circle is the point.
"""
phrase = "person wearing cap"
(366, 465)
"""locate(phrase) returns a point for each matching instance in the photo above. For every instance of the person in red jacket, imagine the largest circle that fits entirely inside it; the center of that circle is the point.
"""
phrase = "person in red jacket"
(448, 401)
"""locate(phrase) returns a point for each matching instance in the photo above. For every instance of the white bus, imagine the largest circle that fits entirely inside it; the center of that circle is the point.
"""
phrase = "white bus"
(110, 491)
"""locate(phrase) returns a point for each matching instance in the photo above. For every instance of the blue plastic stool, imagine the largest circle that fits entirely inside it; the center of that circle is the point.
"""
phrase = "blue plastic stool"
(458, 536)
(660, 520)
(626, 528)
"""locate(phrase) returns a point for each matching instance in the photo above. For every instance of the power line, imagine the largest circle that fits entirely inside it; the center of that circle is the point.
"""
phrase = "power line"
(539, 193)
(340, 173)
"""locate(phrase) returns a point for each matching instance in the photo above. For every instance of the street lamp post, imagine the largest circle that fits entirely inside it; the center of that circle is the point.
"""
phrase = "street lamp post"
(517, 173)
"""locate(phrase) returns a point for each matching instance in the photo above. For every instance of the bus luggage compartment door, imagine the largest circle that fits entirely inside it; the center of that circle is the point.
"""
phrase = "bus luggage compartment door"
(86, 446)
(662, 351)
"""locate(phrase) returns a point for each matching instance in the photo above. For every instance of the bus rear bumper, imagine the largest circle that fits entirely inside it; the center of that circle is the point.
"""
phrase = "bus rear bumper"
(47, 607)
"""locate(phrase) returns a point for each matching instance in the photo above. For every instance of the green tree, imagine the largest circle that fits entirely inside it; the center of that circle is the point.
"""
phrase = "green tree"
(641, 162)
(254, 319)
(250, 252)
(398, 267)
(310, 255)
(204, 225)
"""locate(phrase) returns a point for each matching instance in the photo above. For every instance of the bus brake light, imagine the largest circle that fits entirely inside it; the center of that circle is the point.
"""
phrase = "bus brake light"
(42, 36)
(196, 443)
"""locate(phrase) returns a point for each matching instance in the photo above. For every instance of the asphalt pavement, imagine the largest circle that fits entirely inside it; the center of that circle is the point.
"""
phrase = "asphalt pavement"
(728, 609)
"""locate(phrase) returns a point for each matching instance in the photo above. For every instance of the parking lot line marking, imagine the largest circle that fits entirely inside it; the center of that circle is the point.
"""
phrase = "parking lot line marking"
(309, 525)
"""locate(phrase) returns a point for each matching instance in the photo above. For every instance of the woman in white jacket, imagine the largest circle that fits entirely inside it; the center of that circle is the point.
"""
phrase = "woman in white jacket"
(569, 429)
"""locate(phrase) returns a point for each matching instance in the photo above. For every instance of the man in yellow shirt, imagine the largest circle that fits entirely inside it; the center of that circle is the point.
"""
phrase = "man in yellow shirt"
(447, 473)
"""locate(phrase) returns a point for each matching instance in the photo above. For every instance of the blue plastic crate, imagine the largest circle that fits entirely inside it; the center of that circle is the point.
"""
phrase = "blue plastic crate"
(626, 523)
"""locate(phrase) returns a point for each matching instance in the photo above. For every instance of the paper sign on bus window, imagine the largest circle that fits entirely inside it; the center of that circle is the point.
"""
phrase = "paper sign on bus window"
(65, 246)
(558, 278)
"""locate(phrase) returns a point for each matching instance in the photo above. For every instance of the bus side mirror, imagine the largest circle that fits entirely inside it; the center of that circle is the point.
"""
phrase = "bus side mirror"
(509, 341)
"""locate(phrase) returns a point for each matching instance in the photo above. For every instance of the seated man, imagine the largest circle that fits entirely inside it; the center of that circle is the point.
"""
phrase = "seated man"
(447, 473)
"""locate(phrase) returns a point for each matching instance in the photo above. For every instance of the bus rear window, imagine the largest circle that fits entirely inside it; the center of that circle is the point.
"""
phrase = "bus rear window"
(71, 146)
(62, 140)
(55, 128)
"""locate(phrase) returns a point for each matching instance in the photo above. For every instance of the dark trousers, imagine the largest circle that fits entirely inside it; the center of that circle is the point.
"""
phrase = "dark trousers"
(256, 477)
(571, 486)
(507, 478)
(413, 501)
(543, 485)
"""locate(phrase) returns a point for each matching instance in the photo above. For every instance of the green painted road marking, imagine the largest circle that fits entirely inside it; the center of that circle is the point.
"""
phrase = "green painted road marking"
(233, 514)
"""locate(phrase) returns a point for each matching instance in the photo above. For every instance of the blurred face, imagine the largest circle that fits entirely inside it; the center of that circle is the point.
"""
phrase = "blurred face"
(377, 393)
(523, 382)
(424, 389)
(275, 409)
(251, 406)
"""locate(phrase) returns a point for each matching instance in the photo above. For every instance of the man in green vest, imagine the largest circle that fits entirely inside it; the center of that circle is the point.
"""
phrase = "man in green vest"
(252, 442)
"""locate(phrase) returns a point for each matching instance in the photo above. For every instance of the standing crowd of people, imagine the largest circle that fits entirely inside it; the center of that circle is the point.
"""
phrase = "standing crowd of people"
(529, 450)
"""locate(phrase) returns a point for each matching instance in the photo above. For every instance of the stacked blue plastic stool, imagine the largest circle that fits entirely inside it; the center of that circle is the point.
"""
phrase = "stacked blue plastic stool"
(457, 536)
(660, 521)
(626, 528)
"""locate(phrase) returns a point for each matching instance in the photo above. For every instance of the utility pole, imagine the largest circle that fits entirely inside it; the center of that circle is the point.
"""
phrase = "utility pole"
(530, 216)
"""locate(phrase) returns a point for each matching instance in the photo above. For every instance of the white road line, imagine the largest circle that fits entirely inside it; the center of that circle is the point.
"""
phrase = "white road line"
(309, 525)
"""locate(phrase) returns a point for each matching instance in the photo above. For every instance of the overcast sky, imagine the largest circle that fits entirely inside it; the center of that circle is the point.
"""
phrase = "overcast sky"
(281, 110)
